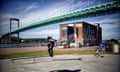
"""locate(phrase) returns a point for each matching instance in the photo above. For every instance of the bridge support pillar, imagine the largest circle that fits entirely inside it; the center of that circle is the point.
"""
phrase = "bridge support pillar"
(18, 35)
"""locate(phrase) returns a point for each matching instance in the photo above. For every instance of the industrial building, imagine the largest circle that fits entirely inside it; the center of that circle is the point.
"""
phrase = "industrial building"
(81, 34)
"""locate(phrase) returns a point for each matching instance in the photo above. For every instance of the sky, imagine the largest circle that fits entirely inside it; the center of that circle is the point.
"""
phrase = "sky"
(30, 11)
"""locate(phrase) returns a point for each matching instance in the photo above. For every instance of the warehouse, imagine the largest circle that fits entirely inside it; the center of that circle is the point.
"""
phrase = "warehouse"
(81, 34)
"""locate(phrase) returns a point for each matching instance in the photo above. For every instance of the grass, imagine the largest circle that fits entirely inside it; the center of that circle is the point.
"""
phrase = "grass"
(27, 54)
(45, 53)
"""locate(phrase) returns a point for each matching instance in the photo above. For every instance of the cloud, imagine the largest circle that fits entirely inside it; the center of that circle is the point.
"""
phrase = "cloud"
(110, 31)
(5, 22)
(114, 18)
(51, 11)
(33, 13)
(5, 17)
(30, 7)
(36, 11)
(80, 4)
(110, 35)
(43, 33)
(110, 26)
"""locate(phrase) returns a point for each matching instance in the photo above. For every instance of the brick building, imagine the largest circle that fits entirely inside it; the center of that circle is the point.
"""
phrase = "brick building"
(81, 33)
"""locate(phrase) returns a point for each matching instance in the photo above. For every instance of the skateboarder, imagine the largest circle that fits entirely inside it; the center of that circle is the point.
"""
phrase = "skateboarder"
(51, 43)
(97, 53)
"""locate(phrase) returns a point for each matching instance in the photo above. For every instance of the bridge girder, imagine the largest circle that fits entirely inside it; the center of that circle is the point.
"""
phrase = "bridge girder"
(98, 10)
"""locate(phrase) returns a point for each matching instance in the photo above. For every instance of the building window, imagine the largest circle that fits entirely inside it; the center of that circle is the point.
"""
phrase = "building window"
(77, 32)
(64, 33)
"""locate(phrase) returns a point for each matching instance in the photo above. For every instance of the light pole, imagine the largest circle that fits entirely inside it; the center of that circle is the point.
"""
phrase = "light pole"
(18, 24)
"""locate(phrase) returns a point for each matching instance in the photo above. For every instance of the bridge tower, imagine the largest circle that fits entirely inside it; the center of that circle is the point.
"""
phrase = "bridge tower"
(18, 24)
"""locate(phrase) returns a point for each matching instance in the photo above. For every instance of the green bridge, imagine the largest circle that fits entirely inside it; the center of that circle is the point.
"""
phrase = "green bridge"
(90, 12)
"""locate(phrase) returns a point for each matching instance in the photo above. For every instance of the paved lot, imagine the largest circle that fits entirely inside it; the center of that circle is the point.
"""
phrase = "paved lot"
(63, 63)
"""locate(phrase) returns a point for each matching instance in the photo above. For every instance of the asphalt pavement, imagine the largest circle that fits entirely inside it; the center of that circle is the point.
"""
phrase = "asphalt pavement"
(62, 63)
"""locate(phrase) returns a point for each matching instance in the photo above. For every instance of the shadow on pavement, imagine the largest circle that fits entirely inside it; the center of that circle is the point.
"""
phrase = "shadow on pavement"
(67, 59)
(65, 70)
